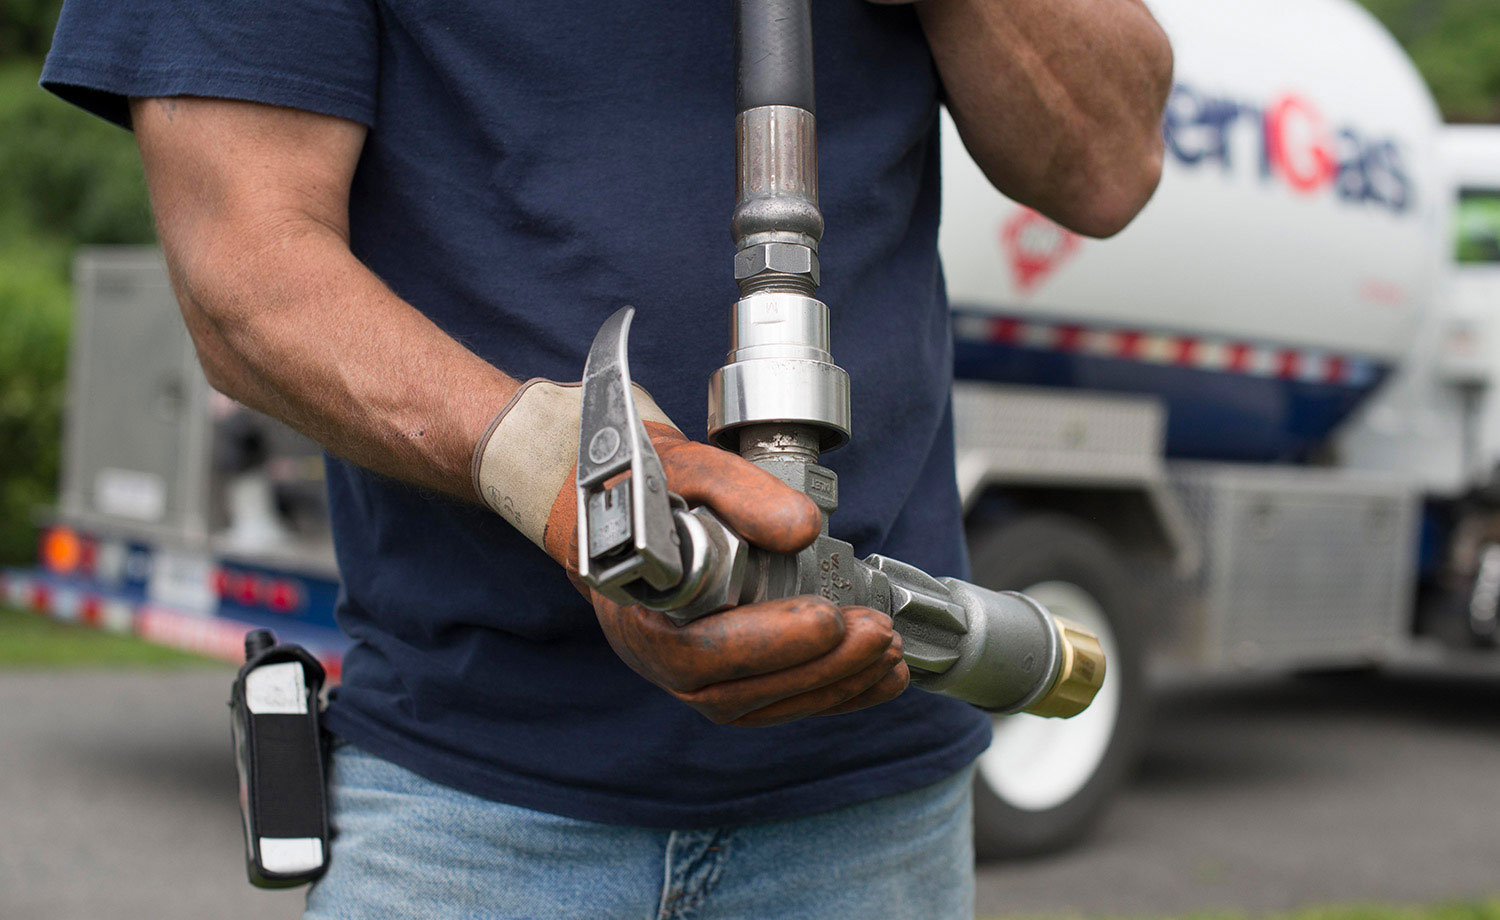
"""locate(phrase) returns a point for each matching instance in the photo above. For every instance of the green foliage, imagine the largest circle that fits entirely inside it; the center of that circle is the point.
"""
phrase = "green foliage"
(33, 363)
(69, 180)
(26, 26)
(1456, 46)
(68, 175)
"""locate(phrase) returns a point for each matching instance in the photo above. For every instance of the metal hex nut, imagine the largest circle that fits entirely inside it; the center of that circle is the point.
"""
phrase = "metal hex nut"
(777, 258)
(723, 582)
(726, 580)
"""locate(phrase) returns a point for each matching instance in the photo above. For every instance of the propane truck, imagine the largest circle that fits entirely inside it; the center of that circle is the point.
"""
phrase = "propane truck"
(1254, 431)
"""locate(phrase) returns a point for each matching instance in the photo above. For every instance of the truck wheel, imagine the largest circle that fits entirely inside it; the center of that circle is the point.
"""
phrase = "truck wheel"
(1043, 783)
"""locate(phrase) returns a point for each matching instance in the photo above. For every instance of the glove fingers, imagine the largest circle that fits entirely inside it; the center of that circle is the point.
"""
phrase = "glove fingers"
(867, 638)
(737, 644)
(762, 508)
(824, 700)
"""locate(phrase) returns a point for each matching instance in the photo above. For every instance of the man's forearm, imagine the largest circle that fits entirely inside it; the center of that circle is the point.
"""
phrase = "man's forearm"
(1059, 101)
(295, 326)
(251, 208)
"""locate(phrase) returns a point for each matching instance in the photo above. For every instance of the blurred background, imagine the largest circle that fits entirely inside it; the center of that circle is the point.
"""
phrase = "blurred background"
(1252, 441)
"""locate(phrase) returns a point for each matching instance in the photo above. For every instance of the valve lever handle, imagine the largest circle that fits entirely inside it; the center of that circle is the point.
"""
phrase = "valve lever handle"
(626, 530)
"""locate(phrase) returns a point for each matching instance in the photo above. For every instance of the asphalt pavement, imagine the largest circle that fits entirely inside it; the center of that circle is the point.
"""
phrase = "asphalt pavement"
(117, 801)
(1261, 796)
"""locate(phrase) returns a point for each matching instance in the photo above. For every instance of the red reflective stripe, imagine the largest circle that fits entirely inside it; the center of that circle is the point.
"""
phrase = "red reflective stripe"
(284, 596)
(1181, 350)
(245, 589)
(1006, 331)
(88, 556)
(208, 635)
(1069, 338)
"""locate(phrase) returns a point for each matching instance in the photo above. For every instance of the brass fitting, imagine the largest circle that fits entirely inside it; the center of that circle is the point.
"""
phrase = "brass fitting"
(1079, 677)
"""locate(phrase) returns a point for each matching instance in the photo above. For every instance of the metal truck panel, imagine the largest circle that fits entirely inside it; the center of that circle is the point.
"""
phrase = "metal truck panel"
(1031, 434)
(1008, 436)
(137, 429)
(1302, 567)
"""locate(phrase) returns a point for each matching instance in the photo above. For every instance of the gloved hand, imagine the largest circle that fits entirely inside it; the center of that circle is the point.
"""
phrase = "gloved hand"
(760, 664)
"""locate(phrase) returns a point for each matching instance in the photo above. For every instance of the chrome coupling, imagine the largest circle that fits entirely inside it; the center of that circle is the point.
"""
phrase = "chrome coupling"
(779, 370)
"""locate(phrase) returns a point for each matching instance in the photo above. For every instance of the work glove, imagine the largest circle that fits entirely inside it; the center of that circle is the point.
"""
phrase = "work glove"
(759, 664)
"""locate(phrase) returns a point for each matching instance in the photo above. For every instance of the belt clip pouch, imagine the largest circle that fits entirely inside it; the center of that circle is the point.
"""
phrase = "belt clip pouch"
(278, 752)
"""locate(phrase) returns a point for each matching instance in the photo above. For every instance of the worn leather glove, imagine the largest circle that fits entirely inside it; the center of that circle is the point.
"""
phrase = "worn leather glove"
(760, 664)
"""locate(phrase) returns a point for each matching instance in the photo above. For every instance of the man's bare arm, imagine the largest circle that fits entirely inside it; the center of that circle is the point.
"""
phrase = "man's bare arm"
(251, 204)
(1058, 101)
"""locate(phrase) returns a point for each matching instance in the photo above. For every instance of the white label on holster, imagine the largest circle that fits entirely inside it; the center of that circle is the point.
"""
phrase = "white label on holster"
(276, 689)
(290, 855)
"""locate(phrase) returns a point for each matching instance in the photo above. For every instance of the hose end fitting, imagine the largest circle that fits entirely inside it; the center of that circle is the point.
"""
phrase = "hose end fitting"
(1080, 673)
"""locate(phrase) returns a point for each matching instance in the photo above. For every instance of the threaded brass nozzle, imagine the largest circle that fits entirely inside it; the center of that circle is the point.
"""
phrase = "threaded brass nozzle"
(1079, 677)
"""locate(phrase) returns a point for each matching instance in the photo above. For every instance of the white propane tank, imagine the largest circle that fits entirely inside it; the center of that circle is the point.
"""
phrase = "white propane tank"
(1284, 265)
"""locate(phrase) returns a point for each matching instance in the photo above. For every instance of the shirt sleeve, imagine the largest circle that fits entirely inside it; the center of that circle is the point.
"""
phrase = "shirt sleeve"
(317, 55)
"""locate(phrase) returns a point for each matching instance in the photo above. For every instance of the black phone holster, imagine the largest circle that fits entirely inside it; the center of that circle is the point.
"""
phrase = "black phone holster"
(279, 754)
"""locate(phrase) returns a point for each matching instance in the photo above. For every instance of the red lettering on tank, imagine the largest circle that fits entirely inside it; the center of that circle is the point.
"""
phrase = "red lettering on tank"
(1298, 144)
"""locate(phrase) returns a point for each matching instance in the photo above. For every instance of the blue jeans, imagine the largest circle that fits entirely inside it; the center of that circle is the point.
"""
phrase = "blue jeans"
(406, 847)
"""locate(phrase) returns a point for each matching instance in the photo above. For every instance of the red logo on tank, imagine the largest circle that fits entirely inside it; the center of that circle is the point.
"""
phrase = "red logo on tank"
(1036, 247)
(1298, 144)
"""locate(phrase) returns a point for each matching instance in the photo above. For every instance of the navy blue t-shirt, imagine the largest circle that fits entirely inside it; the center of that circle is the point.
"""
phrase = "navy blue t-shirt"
(530, 167)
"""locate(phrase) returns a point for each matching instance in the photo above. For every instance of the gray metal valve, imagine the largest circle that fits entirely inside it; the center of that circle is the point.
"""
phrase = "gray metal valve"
(639, 544)
(779, 400)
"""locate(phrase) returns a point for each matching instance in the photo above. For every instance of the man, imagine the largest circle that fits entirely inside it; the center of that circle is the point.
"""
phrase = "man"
(382, 217)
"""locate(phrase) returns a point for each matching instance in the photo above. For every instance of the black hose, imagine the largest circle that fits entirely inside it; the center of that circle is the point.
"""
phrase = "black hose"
(773, 60)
